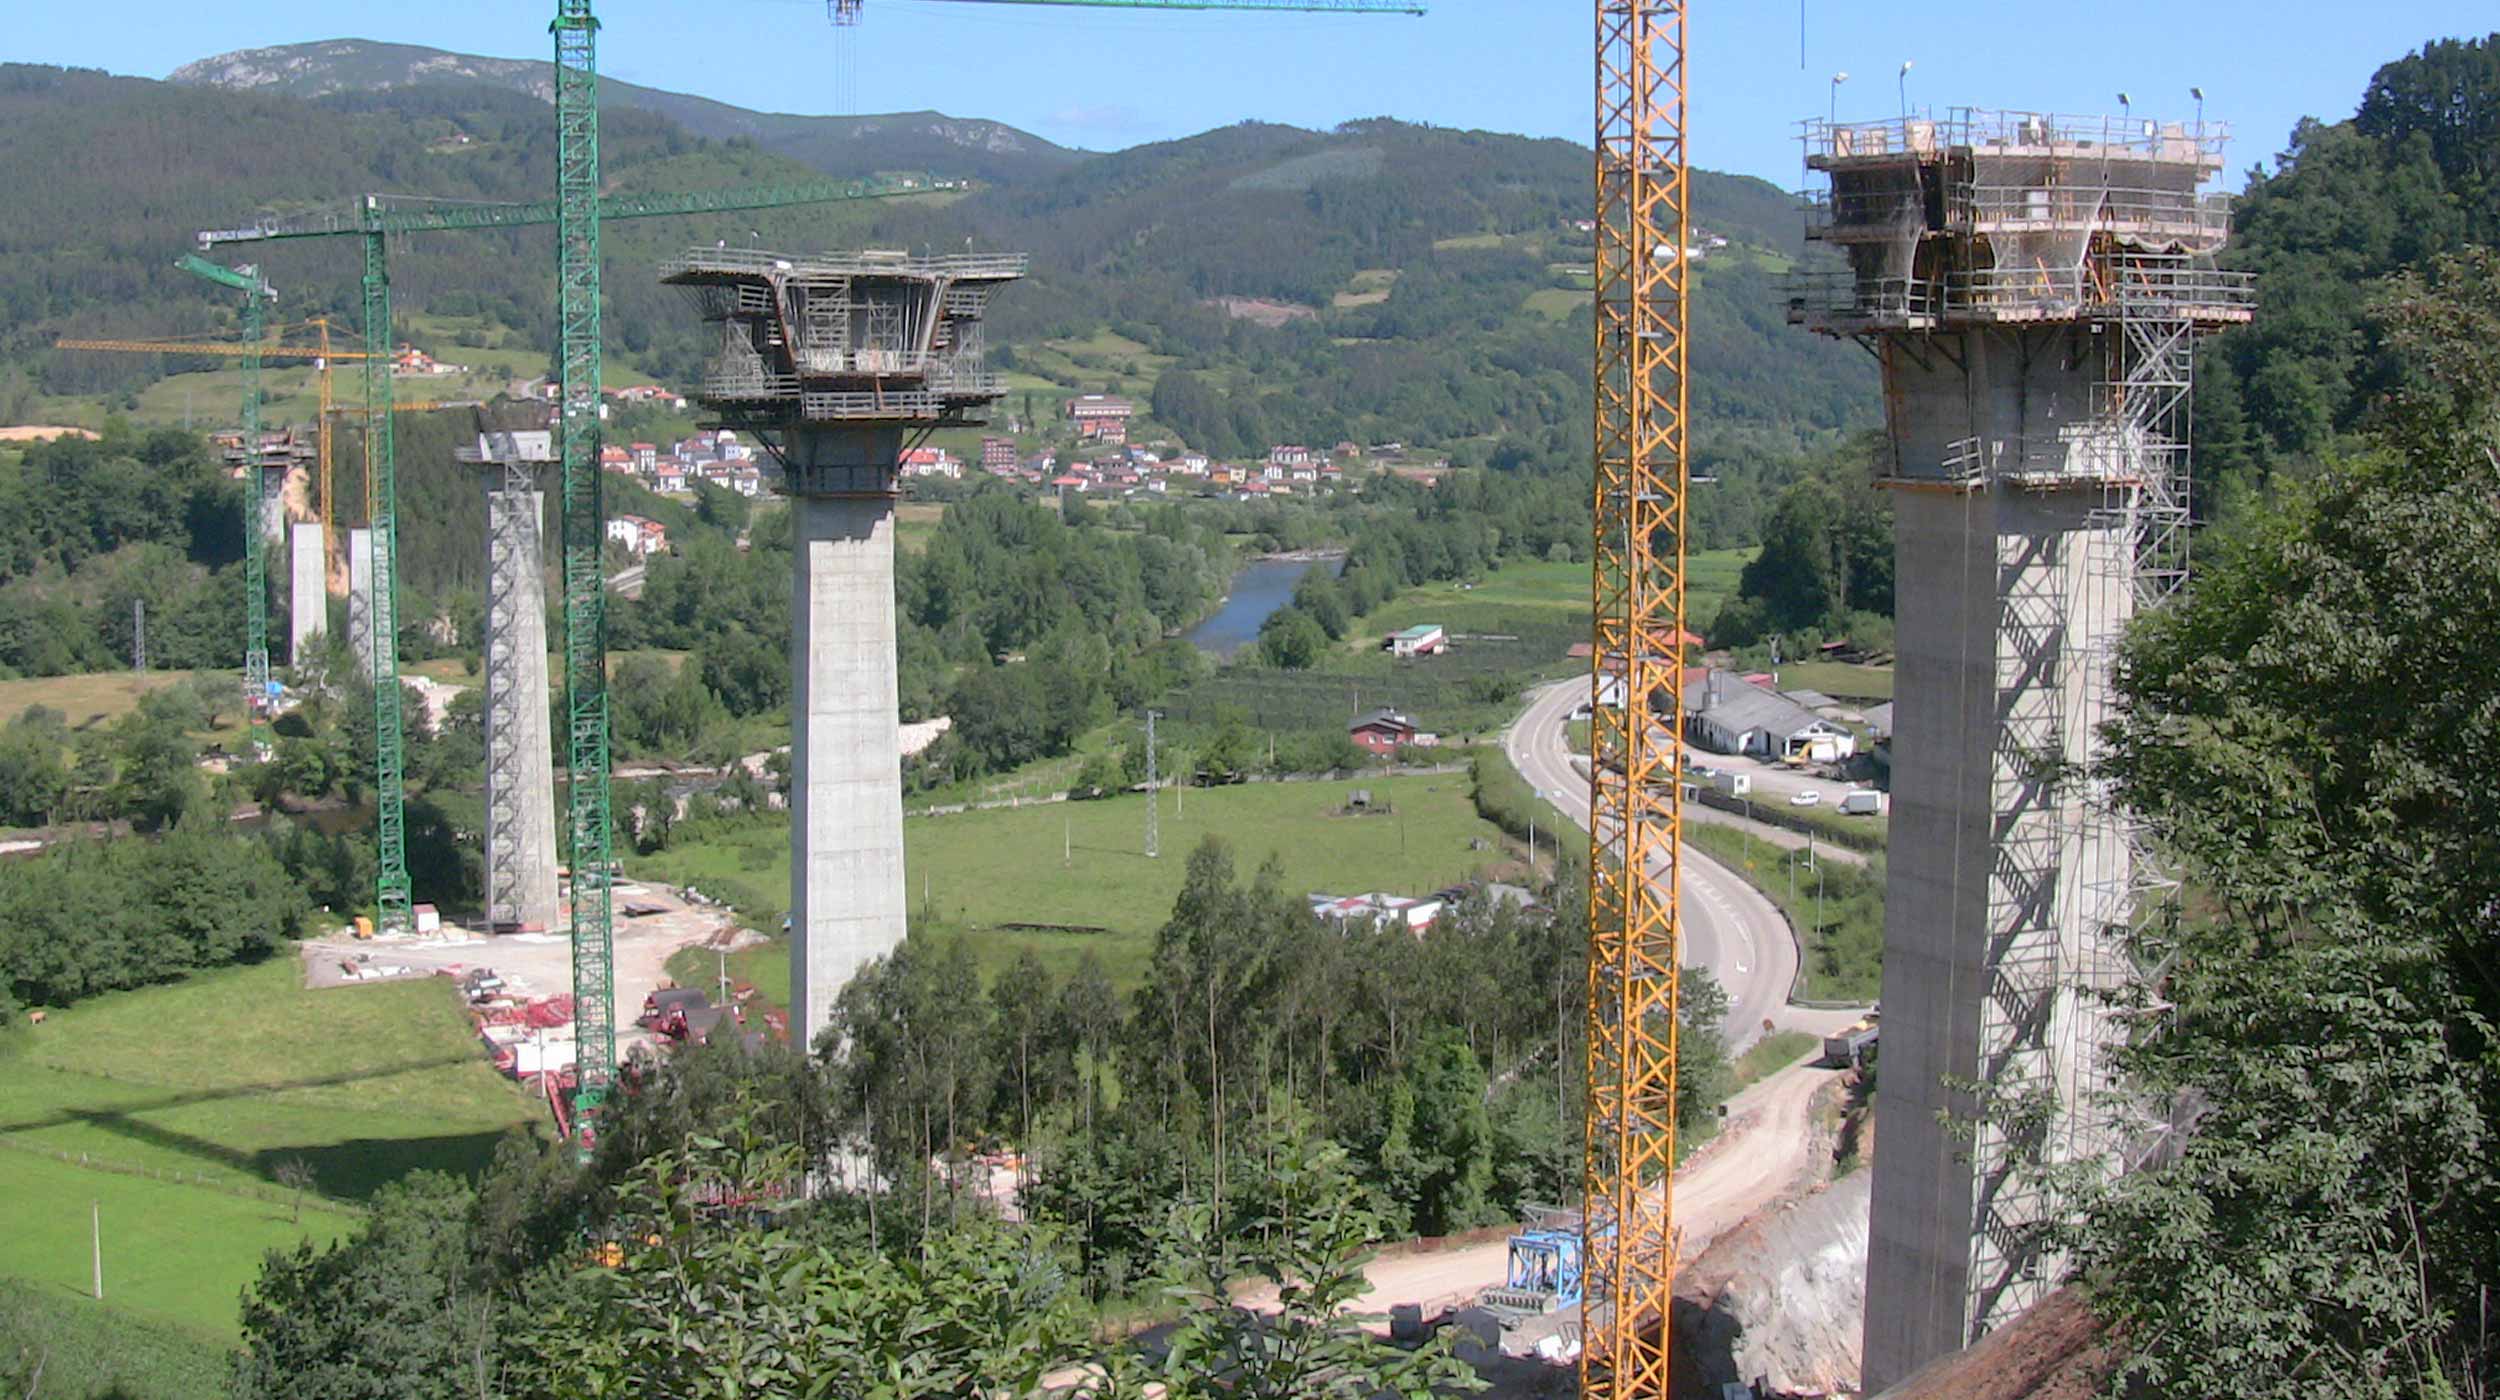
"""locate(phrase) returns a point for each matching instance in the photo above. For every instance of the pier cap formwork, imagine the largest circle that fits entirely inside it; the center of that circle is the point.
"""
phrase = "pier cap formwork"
(838, 362)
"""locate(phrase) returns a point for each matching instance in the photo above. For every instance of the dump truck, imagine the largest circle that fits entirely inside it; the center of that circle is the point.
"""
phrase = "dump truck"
(1849, 1046)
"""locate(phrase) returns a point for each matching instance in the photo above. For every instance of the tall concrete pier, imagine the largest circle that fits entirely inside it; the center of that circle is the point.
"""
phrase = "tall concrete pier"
(520, 764)
(838, 363)
(308, 593)
(360, 597)
(2033, 286)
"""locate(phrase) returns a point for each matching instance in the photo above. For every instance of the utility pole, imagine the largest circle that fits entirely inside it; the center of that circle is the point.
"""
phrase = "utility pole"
(139, 635)
(96, 1237)
(1154, 802)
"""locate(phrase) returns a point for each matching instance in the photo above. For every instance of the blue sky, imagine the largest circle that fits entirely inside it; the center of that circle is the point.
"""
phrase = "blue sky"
(1106, 79)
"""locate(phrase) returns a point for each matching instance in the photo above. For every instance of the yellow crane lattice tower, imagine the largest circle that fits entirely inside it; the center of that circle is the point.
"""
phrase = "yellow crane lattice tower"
(1635, 797)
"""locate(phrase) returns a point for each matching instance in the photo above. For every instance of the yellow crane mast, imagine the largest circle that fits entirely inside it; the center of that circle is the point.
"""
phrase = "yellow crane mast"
(1635, 798)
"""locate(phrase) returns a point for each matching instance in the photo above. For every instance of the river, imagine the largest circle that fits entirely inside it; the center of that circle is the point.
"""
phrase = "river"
(1262, 586)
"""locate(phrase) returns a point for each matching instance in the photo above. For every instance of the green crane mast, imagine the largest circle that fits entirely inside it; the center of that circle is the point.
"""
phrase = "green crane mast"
(256, 298)
(583, 529)
(373, 221)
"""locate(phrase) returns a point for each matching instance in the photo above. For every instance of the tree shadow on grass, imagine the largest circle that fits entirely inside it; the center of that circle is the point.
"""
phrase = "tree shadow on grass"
(350, 1170)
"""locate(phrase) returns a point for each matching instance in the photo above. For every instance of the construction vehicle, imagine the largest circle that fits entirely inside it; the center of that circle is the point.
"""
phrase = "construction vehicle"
(1849, 1046)
(1543, 1273)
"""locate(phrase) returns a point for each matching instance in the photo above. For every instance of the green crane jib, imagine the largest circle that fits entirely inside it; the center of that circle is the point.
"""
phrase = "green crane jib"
(374, 219)
(256, 298)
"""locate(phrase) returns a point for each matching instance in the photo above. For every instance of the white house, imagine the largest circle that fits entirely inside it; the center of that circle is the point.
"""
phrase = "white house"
(641, 536)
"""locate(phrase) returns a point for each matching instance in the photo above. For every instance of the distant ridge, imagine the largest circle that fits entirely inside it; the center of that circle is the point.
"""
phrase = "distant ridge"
(840, 146)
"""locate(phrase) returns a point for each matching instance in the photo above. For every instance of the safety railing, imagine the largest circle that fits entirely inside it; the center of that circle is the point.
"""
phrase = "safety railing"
(904, 405)
(2024, 294)
(739, 382)
(746, 262)
(2178, 214)
(1981, 129)
(1816, 298)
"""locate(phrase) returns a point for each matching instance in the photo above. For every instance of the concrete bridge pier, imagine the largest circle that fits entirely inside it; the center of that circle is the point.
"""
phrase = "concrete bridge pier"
(846, 872)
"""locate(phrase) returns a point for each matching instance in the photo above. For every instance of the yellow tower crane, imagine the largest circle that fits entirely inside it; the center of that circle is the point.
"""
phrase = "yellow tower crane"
(1635, 797)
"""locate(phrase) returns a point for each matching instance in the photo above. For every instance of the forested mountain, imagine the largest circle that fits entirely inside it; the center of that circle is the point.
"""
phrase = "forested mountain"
(1420, 281)
(967, 148)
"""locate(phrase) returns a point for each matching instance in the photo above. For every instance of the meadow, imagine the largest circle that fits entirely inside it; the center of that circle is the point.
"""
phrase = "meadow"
(176, 1107)
(98, 698)
(1060, 878)
(223, 1077)
(174, 1254)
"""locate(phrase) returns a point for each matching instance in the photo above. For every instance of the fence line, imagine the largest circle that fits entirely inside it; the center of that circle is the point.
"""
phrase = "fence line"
(268, 1195)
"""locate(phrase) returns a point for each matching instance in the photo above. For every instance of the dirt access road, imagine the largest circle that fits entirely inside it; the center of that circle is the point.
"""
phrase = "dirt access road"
(1762, 1150)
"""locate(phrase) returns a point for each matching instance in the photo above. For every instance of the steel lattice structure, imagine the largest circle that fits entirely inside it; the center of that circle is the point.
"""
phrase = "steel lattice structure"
(394, 902)
(256, 298)
(584, 531)
(1635, 831)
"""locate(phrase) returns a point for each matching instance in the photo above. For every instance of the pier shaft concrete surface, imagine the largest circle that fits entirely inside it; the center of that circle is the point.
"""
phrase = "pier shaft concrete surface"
(308, 594)
(846, 895)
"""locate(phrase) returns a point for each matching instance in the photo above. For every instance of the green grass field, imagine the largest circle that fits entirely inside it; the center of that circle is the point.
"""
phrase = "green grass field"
(1103, 358)
(173, 1253)
(229, 1074)
(1839, 680)
(1559, 589)
(95, 699)
(101, 1351)
(1554, 303)
(1078, 863)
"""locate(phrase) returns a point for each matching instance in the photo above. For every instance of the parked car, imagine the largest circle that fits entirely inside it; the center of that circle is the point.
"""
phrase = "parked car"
(1808, 798)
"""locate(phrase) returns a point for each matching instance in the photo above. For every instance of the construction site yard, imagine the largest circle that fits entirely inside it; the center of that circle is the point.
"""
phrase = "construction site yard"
(653, 924)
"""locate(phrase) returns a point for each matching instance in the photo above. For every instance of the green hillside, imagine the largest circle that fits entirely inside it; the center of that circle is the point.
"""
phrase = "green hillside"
(1422, 283)
(966, 147)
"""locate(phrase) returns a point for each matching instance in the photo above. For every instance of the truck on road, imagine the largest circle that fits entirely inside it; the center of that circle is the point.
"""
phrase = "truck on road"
(1849, 1046)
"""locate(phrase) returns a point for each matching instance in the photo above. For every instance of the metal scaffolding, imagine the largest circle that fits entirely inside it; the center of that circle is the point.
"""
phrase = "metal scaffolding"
(2035, 285)
(520, 834)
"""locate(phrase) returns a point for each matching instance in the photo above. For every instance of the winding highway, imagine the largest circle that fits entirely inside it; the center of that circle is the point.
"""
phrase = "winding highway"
(1729, 927)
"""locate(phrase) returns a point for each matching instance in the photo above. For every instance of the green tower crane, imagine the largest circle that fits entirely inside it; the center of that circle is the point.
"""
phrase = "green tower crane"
(583, 529)
(256, 298)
